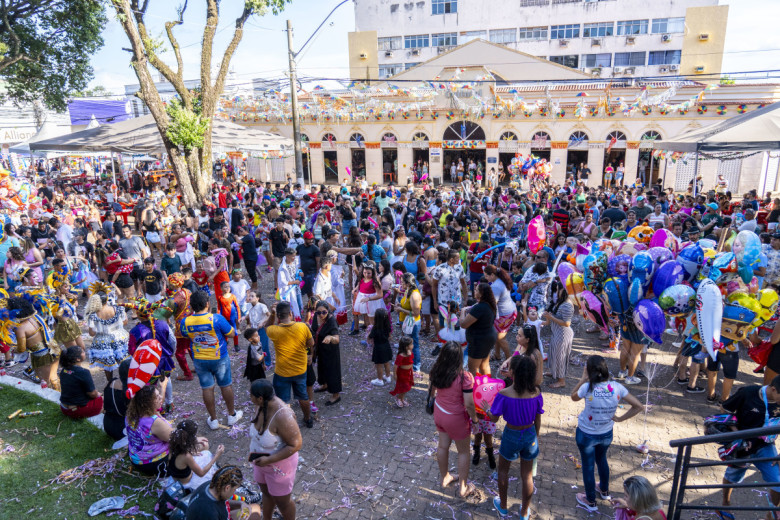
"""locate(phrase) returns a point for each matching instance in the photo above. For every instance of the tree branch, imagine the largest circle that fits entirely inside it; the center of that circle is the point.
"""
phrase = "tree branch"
(174, 43)
(209, 30)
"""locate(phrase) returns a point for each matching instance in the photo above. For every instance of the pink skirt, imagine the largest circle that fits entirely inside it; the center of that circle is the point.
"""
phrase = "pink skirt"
(457, 425)
(503, 323)
(279, 476)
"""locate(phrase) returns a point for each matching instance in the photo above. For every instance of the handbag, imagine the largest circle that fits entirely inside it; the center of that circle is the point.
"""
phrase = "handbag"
(760, 353)
(408, 325)
(341, 318)
(431, 401)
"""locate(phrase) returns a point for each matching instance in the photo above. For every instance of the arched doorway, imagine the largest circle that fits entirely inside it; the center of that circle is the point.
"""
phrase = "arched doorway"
(420, 156)
(463, 141)
(507, 149)
(577, 152)
(389, 145)
(615, 154)
(330, 158)
(357, 147)
(648, 168)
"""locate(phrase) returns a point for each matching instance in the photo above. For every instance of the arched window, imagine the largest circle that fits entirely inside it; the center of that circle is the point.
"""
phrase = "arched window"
(304, 138)
(389, 138)
(540, 140)
(578, 139)
(357, 137)
(509, 136)
(329, 138)
(419, 137)
(464, 131)
(651, 135)
(617, 135)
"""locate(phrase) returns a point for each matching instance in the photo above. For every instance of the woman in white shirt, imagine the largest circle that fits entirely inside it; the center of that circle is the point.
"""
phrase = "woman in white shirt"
(594, 426)
(657, 217)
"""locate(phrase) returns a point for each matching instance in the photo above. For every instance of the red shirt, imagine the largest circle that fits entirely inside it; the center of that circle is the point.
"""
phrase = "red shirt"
(476, 248)
(200, 277)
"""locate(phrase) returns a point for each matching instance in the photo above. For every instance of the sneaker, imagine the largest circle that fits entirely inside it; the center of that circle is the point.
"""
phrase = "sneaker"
(497, 504)
(377, 382)
(695, 390)
(233, 419)
(632, 380)
(639, 373)
(10, 363)
(683, 381)
(622, 374)
(582, 500)
(309, 423)
(29, 373)
(354, 332)
(712, 398)
(314, 408)
(213, 423)
(388, 379)
(602, 495)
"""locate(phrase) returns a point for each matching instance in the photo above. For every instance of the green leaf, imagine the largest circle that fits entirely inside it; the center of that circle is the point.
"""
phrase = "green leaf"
(187, 129)
(261, 7)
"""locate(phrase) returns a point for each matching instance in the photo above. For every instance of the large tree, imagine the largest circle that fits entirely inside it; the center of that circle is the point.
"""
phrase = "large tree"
(185, 124)
(46, 46)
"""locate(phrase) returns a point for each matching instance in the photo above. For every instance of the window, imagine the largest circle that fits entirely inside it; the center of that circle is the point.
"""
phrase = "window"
(330, 138)
(617, 135)
(629, 59)
(357, 138)
(416, 41)
(651, 135)
(390, 69)
(472, 35)
(597, 60)
(595, 30)
(304, 138)
(668, 25)
(534, 3)
(444, 39)
(629, 27)
(389, 44)
(533, 33)
(444, 6)
(664, 58)
(569, 60)
(419, 137)
(577, 138)
(503, 35)
(560, 32)
(509, 136)
(408, 66)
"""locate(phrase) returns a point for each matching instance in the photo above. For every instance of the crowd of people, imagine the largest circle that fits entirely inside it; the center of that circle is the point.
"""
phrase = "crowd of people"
(406, 269)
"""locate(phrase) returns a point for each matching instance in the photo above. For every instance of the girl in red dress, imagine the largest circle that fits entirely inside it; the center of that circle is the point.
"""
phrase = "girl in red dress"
(404, 377)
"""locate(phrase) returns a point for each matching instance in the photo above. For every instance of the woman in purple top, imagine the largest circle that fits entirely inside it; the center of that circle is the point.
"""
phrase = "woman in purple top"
(149, 328)
(521, 406)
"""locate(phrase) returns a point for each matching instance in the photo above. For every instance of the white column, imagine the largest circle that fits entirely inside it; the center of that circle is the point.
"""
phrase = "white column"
(632, 165)
(558, 161)
(596, 165)
(405, 159)
(373, 165)
(317, 165)
(344, 158)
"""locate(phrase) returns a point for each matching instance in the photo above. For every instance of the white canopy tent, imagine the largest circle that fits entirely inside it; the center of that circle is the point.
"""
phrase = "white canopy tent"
(48, 130)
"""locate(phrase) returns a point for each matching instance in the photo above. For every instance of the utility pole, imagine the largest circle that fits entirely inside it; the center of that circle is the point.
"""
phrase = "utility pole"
(294, 105)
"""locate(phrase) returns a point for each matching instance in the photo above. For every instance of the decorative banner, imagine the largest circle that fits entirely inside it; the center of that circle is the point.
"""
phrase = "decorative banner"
(468, 144)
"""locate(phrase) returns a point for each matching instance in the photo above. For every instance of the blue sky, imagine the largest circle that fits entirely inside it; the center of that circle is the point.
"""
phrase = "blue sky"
(263, 50)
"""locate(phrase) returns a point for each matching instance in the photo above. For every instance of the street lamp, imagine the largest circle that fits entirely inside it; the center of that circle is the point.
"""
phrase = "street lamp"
(292, 55)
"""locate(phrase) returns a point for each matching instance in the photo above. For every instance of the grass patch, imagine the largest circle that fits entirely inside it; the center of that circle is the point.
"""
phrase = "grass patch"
(35, 450)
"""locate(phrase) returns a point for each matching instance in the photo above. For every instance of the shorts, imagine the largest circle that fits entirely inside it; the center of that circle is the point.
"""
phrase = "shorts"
(153, 237)
(475, 277)
(311, 377)
(519, 443)
(138, 273)
(481, 348)
(770, 471)
(728, 360)
(457, 426)
(308, 284)
(278, 262)
(296, 385)
(634, 335)
(486, 427)
(279, 477)
(211, 371)
(124, 281)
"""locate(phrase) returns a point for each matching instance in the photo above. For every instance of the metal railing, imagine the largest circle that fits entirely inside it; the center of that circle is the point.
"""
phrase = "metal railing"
(683, 465)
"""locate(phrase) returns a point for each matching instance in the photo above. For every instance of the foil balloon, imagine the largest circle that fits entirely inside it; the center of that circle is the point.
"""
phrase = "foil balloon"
(753, 287)
(691, 258)
(636, 291)
(669, 274)
(642, 268)
(744, 300)
(723, 263)
(665, 238)
(649, 319)
(536, 234)
(485, 390)
(143, 365)
(677, 300)
(709, 315)
(616, 291)
(737, 321)
(619, 235)
(619, 265)
(642, 234)
(660, 255)
(564, 270)
(707, 243)
(595, 310)
(747, 248)
(594, 270)
(574, 286)
(768, 298)
(746, 273)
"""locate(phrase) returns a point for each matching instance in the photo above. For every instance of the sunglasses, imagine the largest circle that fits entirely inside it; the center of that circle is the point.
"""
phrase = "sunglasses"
(321, 313)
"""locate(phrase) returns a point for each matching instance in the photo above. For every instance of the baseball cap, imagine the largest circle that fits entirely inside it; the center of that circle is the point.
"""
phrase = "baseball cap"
(332, 232)
(513, 206)
(712, 206)
(308, 234)
(641, 197)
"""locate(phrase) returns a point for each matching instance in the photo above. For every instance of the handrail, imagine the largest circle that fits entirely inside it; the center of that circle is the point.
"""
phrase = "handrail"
(726, 437)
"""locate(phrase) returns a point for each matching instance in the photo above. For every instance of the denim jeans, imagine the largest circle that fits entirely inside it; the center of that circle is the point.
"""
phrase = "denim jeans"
(416, 363)
(265, 342)
(593, 451)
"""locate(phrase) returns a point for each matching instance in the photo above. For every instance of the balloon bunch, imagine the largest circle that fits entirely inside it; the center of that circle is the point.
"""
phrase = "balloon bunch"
(708, 289)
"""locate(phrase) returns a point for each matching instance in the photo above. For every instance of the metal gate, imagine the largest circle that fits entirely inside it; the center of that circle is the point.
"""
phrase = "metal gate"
(730, 171)
(278, 173)
(685, 171)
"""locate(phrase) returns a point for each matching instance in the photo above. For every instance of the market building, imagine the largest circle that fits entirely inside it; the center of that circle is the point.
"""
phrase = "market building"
(488, 114)
(605, 38)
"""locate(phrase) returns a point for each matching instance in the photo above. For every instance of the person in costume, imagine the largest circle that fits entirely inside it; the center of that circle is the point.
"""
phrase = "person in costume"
(149, 328)
(33, 335)
(106, 322)
(180, 303)
(216, 267)
(67, 331)
(229, 309)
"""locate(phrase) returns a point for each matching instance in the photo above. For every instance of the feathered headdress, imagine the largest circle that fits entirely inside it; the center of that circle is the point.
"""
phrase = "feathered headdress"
(99, 287)
(142, 307)
(175, 281)
(7, 323)
(59, 275)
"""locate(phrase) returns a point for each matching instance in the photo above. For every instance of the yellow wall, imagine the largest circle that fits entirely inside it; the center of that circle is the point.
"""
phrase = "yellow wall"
(363, 42)
(709, 54)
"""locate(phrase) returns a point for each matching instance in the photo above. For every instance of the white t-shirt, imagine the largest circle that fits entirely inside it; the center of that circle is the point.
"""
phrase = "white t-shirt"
(600, 406)
(257, 314)
(239, 290)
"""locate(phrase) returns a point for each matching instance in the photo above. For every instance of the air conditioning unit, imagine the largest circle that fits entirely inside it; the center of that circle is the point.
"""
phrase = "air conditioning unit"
(630, 70)
(415, 52)
(617, 70)
(674, 68)
(563, 43)
(703, 37)
(630, 40)
(388, 54)
(595, 71)
(363, 56)
(666, 38)
(663, 70)
(595, 42)
(699, 69)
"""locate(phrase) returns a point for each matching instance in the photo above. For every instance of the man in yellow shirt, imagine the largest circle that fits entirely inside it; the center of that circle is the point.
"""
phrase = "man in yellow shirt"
(293, 342)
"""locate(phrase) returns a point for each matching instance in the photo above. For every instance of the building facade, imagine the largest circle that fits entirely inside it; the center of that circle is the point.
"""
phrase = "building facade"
(605, 38)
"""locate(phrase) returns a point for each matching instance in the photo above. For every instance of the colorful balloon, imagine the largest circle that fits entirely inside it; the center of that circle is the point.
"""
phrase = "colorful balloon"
(709, 315)
(595, 310)
(747, 248)
(660, 255)
(564, 270)
(642, 268)
(677, 300)
(636, 291)
(669, 274)
(616, 291)
(619, 265)
(594, 270)
(143, 366)
(691, 258)
(536, 234)
(642, 234)
(649, 319)
(486, 389)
